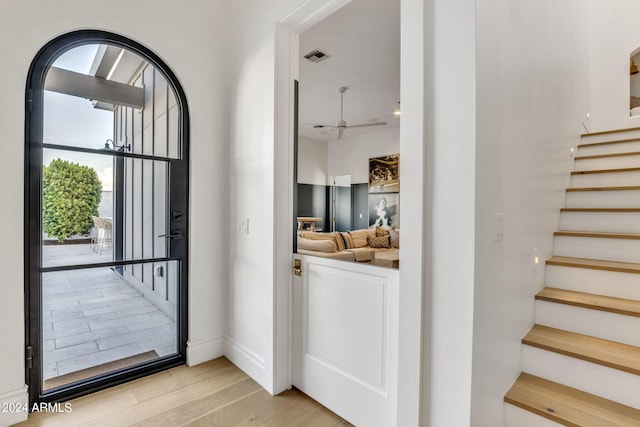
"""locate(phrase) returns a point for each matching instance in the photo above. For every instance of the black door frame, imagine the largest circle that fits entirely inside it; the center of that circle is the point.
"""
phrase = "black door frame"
(179, 190)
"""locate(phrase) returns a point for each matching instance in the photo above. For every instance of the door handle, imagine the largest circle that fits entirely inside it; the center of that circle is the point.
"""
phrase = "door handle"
(173, 235)
(297, 267)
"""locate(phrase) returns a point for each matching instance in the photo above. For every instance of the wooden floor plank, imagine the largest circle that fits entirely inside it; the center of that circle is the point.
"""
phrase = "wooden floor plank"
(197, 407)
(603, 352)
(595, 264)
(171, 400)
(567, 405)
(212, 393)
(592, 301)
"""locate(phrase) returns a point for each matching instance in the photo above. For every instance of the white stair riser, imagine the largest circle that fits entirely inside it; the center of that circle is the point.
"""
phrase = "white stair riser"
(612, 222)
(603, 199)
(626, 250)
(629, 134)
(596, 323)
(609, 383)
(518, 417)
(601, 282)
(618, 162)
(623, 147)
(608, 179)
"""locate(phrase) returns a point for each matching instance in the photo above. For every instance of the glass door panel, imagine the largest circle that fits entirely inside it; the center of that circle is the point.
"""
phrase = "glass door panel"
(107, 234)
(101, 319)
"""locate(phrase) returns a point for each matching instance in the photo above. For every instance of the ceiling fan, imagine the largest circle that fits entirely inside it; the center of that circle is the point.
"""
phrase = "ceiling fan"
(341, 124)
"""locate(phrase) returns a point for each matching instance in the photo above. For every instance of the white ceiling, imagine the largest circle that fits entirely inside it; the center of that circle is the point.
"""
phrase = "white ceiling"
(363, 39)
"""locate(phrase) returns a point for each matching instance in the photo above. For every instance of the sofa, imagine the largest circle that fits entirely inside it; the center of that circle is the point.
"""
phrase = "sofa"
(356, 245)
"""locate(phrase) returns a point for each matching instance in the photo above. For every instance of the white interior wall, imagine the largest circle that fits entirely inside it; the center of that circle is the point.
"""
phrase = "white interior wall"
(532, 89)
(251, 318)
(196, 27)
(312, 161)
(614, 37)
(449, 156)
(350, 155)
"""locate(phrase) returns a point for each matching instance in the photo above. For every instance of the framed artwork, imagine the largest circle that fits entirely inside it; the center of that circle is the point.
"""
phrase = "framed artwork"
(384, 210)
(384, 174)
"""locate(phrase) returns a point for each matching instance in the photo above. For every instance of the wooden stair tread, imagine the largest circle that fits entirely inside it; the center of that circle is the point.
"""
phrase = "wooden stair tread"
(605, 156)
(592, 301)
(612, 354)
(600, 210)
(617, 141)
(595, 264)
(605, 171)
(627, 188)
(568, 406)
(608, 132)
(597, 234)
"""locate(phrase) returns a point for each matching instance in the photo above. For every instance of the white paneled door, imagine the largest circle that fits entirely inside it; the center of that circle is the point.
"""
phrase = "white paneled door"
(345, 335)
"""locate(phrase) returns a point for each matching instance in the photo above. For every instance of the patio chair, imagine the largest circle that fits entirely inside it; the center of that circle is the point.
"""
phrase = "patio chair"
(95, 234)
(103, 235)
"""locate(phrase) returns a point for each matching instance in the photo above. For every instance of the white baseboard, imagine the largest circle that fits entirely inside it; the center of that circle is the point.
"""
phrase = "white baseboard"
(12, 404)
(203, 350)
(249, 361)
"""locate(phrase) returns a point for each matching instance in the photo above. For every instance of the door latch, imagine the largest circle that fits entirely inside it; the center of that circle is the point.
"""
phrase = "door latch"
(297, 267)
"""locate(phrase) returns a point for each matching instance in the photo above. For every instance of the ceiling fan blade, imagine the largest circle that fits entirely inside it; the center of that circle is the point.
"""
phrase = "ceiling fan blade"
(318, 125)
(364, 125)
(340, 133)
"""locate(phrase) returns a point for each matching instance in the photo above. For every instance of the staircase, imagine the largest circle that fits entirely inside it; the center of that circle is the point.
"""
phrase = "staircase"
(581, 360)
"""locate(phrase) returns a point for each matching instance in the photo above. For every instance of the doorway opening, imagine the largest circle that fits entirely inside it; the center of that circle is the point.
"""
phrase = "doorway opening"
(106, 215)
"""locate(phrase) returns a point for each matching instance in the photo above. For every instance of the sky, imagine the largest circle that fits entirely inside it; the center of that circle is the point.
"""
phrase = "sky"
(69, 120)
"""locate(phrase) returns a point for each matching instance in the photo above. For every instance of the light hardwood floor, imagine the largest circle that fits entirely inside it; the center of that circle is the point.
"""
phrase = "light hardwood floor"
(215, 393)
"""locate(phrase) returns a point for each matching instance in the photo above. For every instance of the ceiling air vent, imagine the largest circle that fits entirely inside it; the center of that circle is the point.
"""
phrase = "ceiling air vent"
(317, 55)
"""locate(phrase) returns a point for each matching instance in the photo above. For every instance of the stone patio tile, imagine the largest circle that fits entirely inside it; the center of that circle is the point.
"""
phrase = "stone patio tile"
(50, 370)
(70, 352)
(149, 338)
(136, 310)
(105, 299)
(165, 351)
(90, 336)
(123, 291)
(124, 321)
(98, 358)
(150, 323)
(74, 294)
(70, 330)
(79, 307)
(134, 301)
(65, 304)
(61, 316)
(64, 324)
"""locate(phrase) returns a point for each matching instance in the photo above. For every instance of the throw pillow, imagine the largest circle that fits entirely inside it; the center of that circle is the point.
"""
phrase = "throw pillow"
(312, 235)
(317, 245)
(394, 237)
(340, 243)
(348, 240)
(378, 242)
(360, 237)
(381, 232)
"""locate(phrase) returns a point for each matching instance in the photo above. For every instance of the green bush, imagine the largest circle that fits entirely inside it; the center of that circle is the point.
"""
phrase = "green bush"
(70, 197)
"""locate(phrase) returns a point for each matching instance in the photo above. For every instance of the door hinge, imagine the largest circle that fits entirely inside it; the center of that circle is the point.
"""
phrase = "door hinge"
(29, 100)
(28, 357)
